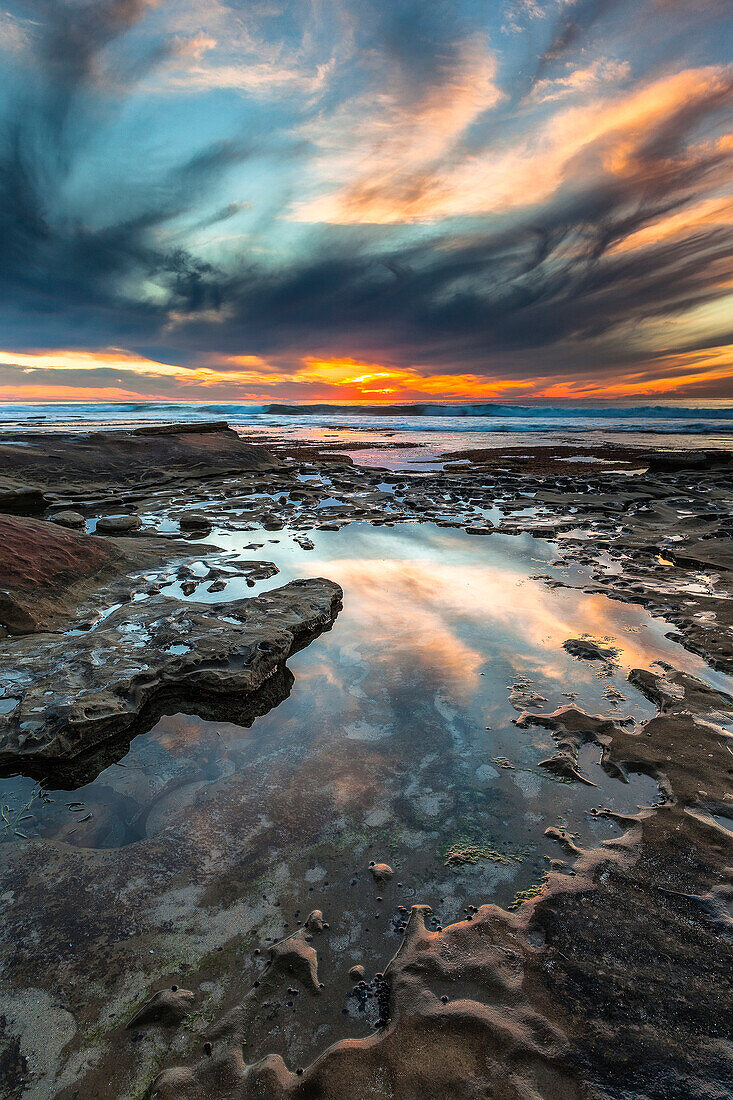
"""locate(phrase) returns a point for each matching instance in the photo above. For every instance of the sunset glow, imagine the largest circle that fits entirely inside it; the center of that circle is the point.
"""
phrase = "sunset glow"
(366, 202)
(342, 381)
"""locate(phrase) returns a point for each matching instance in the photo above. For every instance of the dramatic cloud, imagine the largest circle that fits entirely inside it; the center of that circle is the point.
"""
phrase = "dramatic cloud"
(343, 200)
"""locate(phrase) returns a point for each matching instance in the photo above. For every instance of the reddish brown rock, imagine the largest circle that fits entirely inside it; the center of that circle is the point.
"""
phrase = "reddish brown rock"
(381, 872)
(42, 566)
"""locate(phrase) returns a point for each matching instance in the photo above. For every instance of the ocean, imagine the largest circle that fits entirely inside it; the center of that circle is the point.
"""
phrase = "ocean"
(431, 429)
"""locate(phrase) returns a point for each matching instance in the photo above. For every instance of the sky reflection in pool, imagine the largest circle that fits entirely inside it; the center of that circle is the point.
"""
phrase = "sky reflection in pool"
(391, 708)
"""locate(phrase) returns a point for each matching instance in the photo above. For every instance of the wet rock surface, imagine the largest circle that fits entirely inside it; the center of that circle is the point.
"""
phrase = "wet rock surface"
(569, 970)
(611, 979)
(74, 520)
(166, 1008)
(588, 650)
(47, 572)
(566, 998)
(72, 693)
(117, 525)
(62, 463)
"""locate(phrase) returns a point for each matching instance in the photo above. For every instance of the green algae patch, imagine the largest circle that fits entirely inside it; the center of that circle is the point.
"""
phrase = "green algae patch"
(532, 891)
(225, 958)
(149, 1069)
(470, 852)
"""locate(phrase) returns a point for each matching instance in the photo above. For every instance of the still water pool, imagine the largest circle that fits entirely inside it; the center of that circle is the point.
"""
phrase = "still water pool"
(391, 738)
(406, 709)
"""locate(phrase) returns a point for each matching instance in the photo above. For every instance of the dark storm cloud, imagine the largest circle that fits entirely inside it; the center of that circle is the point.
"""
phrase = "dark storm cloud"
(545, 281)
(74, 35)
(517, 301)
(56, 263)
(423, 40)
(97, 378)
(52, 262)
(222, 215)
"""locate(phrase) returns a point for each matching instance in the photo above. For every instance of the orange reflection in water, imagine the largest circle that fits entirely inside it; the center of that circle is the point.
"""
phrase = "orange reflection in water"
(178, 732)
(450, 618)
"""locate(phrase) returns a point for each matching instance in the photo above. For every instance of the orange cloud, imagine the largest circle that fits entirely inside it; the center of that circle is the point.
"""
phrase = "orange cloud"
(373, 381)
(212, 48)
(63, 359)
(47, 394)
(600, 72)
(68, 375)
(254, 369)
(666, 374)
(354, 381)
(603, 137)
(383, 148)
(702, 216)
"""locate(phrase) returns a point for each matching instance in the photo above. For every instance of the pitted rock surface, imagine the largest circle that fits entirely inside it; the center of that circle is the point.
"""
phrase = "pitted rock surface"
(75, 691)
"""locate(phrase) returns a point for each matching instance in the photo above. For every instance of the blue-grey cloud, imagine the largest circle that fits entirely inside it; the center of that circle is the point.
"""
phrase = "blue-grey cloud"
(547, 279)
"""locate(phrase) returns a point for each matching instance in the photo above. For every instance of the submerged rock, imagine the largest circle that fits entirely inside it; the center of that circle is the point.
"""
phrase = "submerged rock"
(570, 728)
(564, 839)
(297, 957)
(497, 1044)
(315, 922)
(118, 525)
(564, 766)
(167, 1008)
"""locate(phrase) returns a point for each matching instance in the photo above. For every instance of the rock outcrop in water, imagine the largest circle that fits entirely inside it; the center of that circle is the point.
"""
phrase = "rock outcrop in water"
(571, 728)
(148, 456)
(45, 569)
(73, 692)
(586, 649)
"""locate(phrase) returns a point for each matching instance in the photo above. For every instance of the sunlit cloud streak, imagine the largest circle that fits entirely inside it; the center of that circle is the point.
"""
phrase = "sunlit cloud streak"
(475, 204)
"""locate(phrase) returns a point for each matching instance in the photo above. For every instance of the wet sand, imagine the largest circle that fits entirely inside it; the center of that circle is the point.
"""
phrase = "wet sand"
(523, 710)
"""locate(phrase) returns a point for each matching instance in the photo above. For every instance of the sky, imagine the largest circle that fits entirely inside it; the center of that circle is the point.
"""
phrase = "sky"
(378, 201)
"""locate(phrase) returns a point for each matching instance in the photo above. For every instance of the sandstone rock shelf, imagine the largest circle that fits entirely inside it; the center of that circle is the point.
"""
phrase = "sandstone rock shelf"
(71, 693)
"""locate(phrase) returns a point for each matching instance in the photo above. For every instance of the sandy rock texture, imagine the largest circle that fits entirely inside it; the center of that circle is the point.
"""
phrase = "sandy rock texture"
(564, 999)
(46, 570)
